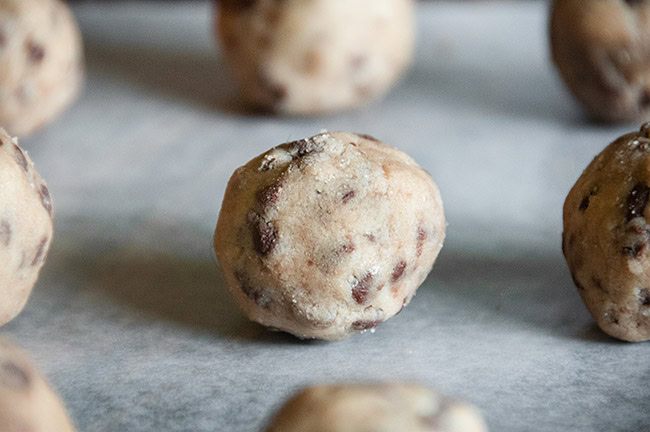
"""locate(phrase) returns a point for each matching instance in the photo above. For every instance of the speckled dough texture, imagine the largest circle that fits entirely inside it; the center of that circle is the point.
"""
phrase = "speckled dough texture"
(25, 227)
(313, 56)
(600, 49)
(27, 403)
(384, 407)
(328, 236)
(41, 67)
(606, 235)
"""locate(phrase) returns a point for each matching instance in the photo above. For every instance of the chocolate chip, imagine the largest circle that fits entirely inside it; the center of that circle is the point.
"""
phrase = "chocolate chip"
(3, 38)
(46, 199)
(645, 129)
(398, 270)
(368, 137)
(268, 196)
(585, 201)
(421, 237)
(303, 147)
(35, 51)
(252, 292)
(371, 238)
(612, 317)
(348, 196)
(278, 92)
(365, 325)
(644, 99)
(39, 252)
(1, 142)
(5, 233)
(637, 201)
(643, 147)
(347, 248)
(237, 5)
(265, 237)
(20, 158)
(634, 251)
(598, 283)
(361, 288)
(13, 376)
(644, 297)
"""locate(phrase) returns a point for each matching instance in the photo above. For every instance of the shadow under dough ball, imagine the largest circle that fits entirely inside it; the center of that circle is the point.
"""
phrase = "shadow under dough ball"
(25, 227)
(27, 403)
(606, 236)
(380, 407)
(309, 57)
(41, 63)
(600, 48)
(328, 236)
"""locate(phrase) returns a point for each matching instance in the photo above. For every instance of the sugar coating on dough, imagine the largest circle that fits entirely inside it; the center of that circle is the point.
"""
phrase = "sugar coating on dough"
(27, 403)
(382, 407)
(25, 226)
(606, 236)
(600, 50)
(307, 57)
(328, 236)
(41, 62)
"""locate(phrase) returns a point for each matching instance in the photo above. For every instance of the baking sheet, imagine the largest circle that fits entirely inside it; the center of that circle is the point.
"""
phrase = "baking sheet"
(132, 323)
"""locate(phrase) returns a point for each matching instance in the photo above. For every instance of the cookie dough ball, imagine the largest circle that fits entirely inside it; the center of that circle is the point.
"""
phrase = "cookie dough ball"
(606, 235)
(386, 407)
(27, 403)
(328, 236)
(600, 49)
(25, 227)
(40, 62)
(314, 56)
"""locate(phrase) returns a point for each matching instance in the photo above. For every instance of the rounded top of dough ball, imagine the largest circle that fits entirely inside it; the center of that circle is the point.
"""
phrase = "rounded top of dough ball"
(27, 403)
(600, 50)
(328, 236)
(41, 62)
(382, 407)
(309, 57)
(26, 226)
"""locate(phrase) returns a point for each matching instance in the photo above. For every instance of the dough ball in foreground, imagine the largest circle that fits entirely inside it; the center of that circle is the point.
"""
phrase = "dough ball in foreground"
(600, 49)
(309, 57)
(25, 227)
(387, 407)
(606, 236)
(41, 64)
(27, 403)
(328, 236)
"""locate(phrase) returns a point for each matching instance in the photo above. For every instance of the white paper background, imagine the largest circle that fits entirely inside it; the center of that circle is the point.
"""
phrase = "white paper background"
(133, 325)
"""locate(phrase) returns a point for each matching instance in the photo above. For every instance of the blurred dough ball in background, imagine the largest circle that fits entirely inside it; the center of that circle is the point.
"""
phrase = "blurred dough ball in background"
(381, 407)
(315, 56)
(27, 403)
(600, 48)
(41, 62)
(25, 227)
